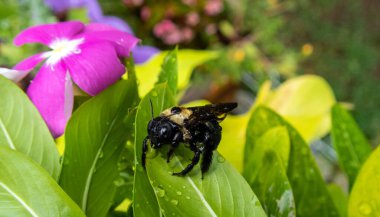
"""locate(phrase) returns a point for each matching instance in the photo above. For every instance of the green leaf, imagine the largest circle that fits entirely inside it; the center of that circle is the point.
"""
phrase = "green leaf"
(365, 194)
(276, 139)
(309, 190)
(340, 199)
(266, 171)
(147, 73)
(349, 142)
(26, 189)
(23, 129)
(144, 199)
(169, 71)
(95, 136)
(222, 192)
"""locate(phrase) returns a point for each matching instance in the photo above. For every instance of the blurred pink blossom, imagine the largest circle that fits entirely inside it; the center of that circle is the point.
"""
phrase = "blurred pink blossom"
(192, 18)
(213, 7)
(145, 13)
(190, 2)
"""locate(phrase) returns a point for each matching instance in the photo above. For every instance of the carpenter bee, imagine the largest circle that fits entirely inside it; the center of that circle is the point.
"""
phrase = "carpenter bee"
(198, 127)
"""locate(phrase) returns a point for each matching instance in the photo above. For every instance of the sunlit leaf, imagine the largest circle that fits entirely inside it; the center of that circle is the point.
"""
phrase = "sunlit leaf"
(233, 138)
(95, 136)
(169, 71)
(276, 139)
(349, 142)
(144, 199)
(266, 171)
(222, 191)
(26, 189)
(23, 129)
(309, 190)
(365, 194)
(305, 102)
(147, 73)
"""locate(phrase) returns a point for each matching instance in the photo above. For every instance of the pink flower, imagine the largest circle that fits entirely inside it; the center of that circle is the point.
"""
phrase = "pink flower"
(88, 55)
(213, 7)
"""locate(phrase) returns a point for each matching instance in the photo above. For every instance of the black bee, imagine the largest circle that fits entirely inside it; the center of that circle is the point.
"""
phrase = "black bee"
(196, 126)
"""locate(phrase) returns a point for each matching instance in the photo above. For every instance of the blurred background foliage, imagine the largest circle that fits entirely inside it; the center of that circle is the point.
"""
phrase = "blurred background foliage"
(256, 40)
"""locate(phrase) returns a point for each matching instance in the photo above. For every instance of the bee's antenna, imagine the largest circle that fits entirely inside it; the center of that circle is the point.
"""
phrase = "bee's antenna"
(151, 108)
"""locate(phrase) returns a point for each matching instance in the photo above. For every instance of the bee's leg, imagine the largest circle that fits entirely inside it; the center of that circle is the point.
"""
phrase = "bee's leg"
(211, 141)
(176, 140)
(144, 150)
(189, 167)
(206, 161)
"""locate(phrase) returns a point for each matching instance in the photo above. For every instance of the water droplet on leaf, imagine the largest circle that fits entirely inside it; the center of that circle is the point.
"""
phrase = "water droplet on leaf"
(179, 193)
(220, 159)
(174, 202)
(160, 191)
(365, 208)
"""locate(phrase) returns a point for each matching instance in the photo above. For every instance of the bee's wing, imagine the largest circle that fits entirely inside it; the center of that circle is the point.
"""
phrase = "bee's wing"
(209, 112)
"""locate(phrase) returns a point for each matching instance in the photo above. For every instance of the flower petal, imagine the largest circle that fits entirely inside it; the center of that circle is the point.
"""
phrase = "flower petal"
(96, 67)
(143, 53)
(115, 22)
(12, 74)
(51, 92)
(29, 63)
(122, 41)
(48, 33)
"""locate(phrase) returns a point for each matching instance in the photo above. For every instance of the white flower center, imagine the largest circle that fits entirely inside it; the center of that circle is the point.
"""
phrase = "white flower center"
(62, 48)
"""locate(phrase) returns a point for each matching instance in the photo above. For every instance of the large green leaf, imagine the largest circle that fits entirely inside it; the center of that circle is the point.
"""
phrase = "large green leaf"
(26, 189)
(95, 136)
(144, 200)
(169, 70)
(365, 194)
(340, 198)
(311, 195)
(22, 128)
(222, 191)
(349, 142)
(266, 171)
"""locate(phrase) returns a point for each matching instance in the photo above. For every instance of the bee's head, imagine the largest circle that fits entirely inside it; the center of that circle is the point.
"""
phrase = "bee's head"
(160, 131)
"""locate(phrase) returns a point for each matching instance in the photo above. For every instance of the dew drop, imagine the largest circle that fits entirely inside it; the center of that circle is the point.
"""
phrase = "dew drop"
(220, 159)
(183, 187)
(118, 182)
(160, 191)
(188, 197)
(179, 193)
(101, 154)
(174, 202)
(173, 214)
(365, 208)
(77, 51)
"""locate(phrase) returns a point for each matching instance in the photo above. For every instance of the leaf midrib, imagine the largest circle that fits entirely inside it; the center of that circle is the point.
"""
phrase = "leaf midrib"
(16, 197)
(91, 171)
(199, 193)
(7, 135)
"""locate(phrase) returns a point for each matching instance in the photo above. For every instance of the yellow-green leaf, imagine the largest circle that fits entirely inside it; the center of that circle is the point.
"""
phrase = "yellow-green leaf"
(305, 102)
(365, 195)
(147, 74)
